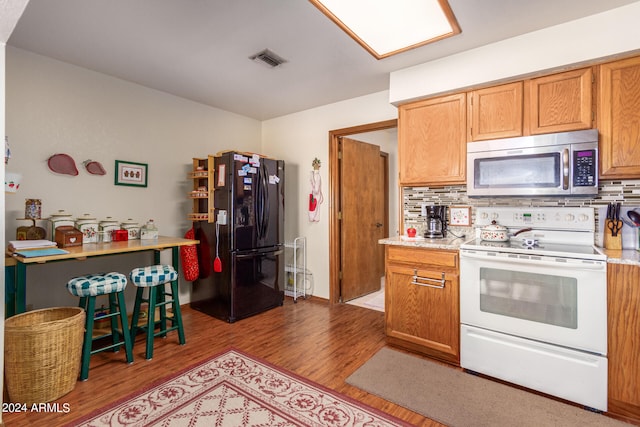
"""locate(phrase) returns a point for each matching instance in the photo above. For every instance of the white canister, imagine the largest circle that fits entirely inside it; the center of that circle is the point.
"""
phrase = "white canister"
(132, 227)
(88, 226)
(59, 219)
(149, 231)
(105, 227)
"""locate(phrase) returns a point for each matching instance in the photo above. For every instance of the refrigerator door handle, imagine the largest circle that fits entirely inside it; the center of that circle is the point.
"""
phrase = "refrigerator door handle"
(254, 254)
(265, 203)
(262, 202)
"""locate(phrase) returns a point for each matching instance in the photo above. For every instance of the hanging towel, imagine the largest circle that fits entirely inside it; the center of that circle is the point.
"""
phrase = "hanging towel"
(189, 258)
(315, 197)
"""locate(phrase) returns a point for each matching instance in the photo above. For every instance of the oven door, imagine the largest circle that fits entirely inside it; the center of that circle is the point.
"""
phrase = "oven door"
(555, 300)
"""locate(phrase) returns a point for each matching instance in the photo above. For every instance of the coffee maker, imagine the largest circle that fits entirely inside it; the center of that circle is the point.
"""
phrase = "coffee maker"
(436, 222)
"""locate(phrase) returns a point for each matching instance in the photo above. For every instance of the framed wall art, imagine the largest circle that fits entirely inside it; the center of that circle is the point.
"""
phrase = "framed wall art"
(460, 216)
(131, 173)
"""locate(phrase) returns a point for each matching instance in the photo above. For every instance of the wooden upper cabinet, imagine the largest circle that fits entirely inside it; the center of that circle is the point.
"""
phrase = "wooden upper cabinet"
(619, 119)
(561, 102)
(496, 112)
(432, 141)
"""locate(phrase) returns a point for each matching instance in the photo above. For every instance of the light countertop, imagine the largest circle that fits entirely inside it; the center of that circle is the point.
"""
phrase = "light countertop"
(449, 243)
(626, 256)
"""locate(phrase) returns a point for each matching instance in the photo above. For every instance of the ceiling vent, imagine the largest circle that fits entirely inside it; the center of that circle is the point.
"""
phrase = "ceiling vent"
(267, 58)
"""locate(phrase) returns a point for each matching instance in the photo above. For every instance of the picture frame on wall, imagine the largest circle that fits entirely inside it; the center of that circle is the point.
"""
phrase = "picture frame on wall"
(460, 216)
(131, 173)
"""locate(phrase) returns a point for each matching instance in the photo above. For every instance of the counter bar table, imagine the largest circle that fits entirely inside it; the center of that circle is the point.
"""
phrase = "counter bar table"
(88, 250)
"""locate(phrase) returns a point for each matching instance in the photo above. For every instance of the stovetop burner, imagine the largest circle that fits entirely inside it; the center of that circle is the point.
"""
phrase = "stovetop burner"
(551, 249)
(558, 232)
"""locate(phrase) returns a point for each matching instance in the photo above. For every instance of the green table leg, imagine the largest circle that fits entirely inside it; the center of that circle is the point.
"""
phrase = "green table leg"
(9, 291)
(21, 288)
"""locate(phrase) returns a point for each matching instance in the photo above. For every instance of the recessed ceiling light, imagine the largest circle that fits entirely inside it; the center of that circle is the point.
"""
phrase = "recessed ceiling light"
(385, 27)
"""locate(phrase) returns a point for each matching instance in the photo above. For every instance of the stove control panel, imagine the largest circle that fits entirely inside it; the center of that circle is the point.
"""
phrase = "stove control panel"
(567, 218)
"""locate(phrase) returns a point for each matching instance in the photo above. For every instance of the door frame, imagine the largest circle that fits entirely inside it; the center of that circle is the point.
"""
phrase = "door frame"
(334, 199)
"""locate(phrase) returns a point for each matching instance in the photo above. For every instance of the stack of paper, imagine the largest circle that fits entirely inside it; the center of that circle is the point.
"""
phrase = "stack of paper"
(21, 245)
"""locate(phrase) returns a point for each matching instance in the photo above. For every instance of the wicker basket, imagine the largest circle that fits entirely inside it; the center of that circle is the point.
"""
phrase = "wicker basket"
(42, 350)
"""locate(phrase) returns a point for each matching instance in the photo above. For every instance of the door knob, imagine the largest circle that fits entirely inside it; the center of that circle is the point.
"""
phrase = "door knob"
(378, 224)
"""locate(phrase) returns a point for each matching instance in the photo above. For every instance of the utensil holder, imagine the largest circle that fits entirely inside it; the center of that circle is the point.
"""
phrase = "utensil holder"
(611, 241)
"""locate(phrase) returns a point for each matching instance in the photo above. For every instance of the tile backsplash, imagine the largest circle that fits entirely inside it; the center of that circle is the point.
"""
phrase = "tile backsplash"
(627, 192)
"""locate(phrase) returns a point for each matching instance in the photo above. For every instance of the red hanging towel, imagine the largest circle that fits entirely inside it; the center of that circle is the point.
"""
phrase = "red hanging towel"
(189, 258)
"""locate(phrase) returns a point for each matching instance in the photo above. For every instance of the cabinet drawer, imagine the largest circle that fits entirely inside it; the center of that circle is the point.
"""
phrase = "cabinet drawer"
(414, 256)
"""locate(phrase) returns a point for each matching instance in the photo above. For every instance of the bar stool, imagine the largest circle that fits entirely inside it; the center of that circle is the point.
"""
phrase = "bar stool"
(154, 278)
(88, 288)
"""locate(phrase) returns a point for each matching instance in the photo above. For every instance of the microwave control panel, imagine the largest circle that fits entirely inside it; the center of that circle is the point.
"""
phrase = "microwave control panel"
(585, 168)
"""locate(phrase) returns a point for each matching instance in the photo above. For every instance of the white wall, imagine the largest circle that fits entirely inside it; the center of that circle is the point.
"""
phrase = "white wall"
(54, 107)
(299, 138)
(597, 36)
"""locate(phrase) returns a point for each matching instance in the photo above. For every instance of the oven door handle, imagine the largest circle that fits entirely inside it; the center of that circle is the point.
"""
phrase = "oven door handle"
(577, 265)
(420, 281)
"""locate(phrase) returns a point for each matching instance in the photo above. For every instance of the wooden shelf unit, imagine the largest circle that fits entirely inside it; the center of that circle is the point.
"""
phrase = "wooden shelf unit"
(202, 177)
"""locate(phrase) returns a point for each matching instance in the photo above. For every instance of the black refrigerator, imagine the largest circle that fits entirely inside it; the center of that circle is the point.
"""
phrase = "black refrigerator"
(247, 234)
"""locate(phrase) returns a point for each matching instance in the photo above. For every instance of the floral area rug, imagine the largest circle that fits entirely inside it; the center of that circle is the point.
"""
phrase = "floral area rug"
(234, 389)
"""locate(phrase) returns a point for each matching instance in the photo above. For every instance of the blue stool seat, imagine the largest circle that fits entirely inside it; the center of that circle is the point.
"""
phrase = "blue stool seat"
(97, 284)
(90, 287)
(153, 275)
(153, 279)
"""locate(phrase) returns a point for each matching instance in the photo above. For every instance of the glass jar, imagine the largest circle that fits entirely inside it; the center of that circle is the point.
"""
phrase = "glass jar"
(149, 231)
(105, 228)
(33, 209)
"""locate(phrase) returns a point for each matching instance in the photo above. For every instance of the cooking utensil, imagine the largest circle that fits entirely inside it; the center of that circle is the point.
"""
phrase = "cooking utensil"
(634, 217)
(217, 262)
(614, 224)
(495, 232)
(629, 223)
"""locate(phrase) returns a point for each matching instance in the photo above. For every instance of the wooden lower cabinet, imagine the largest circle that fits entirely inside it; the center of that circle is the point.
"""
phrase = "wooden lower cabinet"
(623, 305)
(422, 301)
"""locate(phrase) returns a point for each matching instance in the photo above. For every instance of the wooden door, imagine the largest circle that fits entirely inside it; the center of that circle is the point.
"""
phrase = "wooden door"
(362, 223)
(496, 112)
(619, 119)
(561, 102)
(432, 145)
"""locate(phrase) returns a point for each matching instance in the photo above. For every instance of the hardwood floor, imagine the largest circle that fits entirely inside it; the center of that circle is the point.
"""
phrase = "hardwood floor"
(324, 343)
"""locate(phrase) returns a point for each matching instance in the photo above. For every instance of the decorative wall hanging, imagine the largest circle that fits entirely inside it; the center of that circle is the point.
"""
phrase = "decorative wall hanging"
(315, 197)
(7, 150)
(460, 216)
(11, 182)
(94, 168)
(131, 173)
(63, 164)
(33, 209)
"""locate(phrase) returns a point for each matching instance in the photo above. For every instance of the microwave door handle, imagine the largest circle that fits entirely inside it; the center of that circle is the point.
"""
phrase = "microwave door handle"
(565, 169)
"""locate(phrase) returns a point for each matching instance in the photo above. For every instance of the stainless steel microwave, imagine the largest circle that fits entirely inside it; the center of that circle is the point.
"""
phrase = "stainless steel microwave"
(559, 164)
